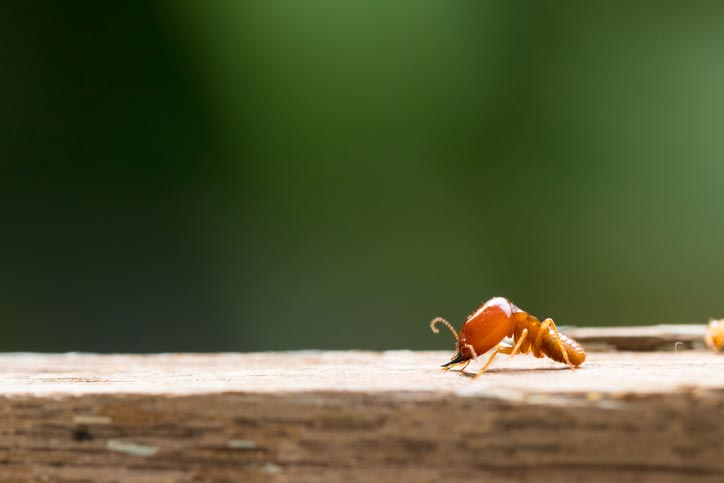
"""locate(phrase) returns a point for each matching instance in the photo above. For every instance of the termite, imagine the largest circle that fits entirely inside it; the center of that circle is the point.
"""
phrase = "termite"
(715, 335)
(498, 318)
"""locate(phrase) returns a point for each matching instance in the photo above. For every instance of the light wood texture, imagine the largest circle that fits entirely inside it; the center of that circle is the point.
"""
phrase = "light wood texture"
(360, 417)
(640, 338)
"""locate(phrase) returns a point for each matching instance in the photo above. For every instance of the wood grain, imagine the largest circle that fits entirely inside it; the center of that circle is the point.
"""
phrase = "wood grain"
(360, 416)
(640, 338)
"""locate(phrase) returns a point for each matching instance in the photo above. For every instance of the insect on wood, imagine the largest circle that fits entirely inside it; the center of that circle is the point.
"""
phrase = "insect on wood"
(497, 319)
(715, 335)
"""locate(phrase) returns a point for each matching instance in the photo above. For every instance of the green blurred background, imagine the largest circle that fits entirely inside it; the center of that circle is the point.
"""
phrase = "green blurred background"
(266, 175)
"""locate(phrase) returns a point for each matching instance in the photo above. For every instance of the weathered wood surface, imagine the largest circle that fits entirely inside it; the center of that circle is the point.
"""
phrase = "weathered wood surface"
(640, 338)
(360, 417)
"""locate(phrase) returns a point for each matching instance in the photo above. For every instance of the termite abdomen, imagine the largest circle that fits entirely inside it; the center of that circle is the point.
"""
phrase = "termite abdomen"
(574, 351)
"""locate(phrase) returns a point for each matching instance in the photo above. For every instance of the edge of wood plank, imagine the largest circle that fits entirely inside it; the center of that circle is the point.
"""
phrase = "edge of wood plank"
(663, 337)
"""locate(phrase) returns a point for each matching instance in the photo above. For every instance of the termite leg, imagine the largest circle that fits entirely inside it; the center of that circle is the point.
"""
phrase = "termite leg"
(467, 363)
(472, 349)
(558, 340)
(500, 349)
(456, 360)
(447, 368)
(538, 341)
(516, 349)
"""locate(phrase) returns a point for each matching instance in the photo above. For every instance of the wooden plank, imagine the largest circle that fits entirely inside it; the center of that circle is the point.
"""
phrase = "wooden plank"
(640, 338)
(360, 416)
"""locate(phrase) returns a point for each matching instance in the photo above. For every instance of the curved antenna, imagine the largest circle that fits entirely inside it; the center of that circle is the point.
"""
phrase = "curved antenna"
(447, 324)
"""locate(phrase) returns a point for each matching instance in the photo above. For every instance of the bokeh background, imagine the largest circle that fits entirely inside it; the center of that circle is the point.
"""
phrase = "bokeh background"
(268, 175)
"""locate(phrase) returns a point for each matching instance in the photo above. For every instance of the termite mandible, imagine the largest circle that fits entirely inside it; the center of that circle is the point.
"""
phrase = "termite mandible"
(498, 318)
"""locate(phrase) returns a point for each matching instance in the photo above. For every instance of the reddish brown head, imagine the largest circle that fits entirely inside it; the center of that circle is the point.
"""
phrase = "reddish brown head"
(485, 328)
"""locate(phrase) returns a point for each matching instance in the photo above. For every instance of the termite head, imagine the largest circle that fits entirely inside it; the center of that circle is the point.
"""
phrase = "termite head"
(482, 330)
(715, 335)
